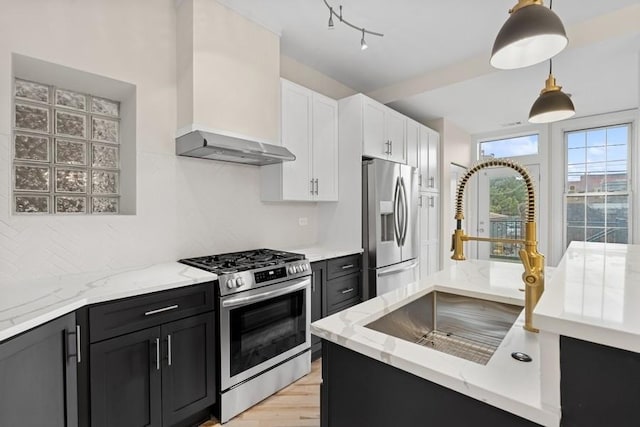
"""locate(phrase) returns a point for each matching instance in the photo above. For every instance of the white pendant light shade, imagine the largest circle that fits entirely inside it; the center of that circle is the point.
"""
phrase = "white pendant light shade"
(532, 34)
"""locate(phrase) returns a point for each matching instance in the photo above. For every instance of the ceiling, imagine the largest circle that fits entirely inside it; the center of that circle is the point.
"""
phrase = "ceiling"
(433, 60)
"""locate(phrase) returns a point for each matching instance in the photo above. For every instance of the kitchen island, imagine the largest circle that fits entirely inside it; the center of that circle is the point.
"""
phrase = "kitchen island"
(514, 392)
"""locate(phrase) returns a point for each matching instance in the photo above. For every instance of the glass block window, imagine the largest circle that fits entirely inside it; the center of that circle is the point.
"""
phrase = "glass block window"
(66, 151)
(510, 147)
(597, 184)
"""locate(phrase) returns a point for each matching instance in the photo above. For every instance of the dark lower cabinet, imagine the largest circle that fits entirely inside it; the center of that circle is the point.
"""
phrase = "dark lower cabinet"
(359, 391)
(188, 377)
(336, 284)
(126, 380)
(599, 385)
(318, 280)
(38, 376)
(160, 376)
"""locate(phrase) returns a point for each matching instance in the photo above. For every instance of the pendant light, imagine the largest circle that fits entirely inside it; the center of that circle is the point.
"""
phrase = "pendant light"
(553, 104)
(532, 34)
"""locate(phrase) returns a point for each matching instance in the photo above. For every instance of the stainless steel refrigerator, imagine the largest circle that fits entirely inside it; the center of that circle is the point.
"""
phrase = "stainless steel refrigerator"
(389, 226)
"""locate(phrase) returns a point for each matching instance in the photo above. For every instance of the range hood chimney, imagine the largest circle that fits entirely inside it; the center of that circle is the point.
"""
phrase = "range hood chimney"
(230, 148)
(228, 86)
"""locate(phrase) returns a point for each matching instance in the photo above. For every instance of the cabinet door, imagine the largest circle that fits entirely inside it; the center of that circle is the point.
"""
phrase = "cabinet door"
(433, 206)
(296, 136)
(433, 182)
(325, 148)
(188, 367)
(395, 126)
(125, 380)
(375, 141)
(38, 377)
(423, 159)
(429, 233)
(413, 139)
(318, 279)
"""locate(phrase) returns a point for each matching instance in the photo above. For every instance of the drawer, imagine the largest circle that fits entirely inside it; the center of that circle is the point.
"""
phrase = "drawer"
(342, 292)
(122, 316)
(344, 265)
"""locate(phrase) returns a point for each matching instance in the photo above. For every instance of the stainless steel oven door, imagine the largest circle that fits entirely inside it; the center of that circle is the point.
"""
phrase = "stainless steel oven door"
(263, 327)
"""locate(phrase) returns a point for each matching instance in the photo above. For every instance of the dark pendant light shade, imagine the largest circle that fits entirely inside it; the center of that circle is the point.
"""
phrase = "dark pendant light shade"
(552, 105)
(532, 34)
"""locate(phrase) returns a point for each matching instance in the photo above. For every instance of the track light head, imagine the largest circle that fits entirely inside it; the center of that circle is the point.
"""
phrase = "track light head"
(363, 43)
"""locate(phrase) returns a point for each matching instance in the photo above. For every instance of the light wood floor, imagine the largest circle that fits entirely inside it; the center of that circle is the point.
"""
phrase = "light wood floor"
(298, 405)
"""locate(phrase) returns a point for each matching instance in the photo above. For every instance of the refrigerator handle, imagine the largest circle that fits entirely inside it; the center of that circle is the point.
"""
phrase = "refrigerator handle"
(405, 203)
(396, 209)
(396, 269)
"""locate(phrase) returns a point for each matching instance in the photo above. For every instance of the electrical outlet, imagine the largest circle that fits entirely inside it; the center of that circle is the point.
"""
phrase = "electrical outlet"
(303, 221)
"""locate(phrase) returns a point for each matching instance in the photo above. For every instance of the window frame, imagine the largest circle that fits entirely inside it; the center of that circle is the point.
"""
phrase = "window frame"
(558, 171)
(586, 194)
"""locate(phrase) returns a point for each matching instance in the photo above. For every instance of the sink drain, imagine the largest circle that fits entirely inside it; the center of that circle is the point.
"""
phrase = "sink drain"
(521, 357)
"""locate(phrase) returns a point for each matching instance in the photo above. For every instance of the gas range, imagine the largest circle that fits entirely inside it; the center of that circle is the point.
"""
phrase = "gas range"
(246, 270)
(263, 309)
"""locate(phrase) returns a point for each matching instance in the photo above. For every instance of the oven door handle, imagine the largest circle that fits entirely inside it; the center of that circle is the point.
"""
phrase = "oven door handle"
(235, 302)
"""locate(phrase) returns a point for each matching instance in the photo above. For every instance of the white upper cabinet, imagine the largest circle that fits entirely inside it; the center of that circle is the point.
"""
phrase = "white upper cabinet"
(309, 129)
(325, 148)
(383, 131)
(428, 160)
(413, 142)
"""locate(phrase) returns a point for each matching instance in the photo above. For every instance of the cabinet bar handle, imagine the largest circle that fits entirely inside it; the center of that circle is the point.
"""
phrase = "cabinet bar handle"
(312, 186)
(160, 310)
(157, 354)
(345, 267)
(432, 182)
(78, 344)
(391, 148)
(169, 349)
(420, 201)
(346, 291)
(317, 186)
(432, 202)
(388, 145)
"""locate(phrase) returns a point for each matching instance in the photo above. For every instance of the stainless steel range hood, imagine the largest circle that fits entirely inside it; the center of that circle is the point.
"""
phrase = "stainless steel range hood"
(230, 148)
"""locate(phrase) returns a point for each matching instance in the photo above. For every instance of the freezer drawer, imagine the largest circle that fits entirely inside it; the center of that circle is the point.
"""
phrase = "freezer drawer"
(395, 276)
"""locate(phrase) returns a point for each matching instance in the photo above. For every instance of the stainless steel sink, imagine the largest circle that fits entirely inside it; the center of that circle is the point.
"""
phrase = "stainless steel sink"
(466, 327)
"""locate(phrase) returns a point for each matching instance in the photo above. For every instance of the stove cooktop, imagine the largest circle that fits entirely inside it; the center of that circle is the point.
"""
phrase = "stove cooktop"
(242, 261)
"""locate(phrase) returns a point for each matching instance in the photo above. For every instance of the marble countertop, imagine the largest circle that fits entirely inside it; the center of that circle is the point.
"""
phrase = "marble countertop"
(27, 304)
(594, 295)
(504, 382)
(320, 253)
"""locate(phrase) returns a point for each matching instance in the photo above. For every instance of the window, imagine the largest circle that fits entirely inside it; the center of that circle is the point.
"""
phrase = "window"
(510, 147)
(597, 184)
(66, 152)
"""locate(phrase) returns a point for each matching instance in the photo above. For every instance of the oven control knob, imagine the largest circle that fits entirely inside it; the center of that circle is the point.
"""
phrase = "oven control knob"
(300, 269)
(292, 269)
(231, 283)
(239, 282)
(305, 267)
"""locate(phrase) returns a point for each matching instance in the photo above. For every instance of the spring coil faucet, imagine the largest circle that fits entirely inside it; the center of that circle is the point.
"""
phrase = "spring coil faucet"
(532, 260)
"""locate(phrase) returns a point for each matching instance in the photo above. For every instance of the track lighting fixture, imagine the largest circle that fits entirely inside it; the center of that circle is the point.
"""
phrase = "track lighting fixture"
(332, 13)
(532, 34)
(553, 104)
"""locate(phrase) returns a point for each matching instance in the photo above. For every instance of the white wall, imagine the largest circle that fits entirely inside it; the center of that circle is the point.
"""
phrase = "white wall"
(186, 207)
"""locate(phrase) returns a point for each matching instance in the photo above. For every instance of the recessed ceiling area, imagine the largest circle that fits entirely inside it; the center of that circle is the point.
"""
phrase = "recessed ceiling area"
(433, 60)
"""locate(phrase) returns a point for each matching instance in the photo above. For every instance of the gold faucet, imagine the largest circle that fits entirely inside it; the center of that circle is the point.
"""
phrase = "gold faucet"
(532, 260)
